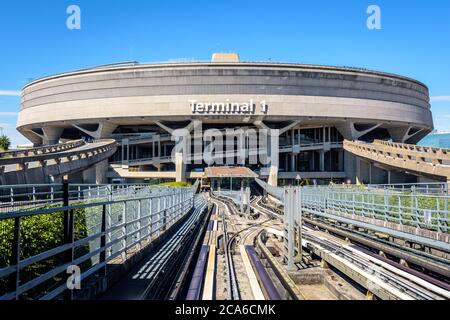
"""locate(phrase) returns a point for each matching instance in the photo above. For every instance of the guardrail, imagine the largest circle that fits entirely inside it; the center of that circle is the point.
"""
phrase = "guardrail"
(425, 211)
(408, 206)
(40, 245)
(98, 147)
(427, 188)
(24, 197)
(425, 160)
(42, 150)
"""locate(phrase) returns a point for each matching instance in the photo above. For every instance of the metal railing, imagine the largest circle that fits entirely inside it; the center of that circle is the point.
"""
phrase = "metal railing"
(85, 228)
(419, 210)
(25, 197)
(42, 150)
(425, 206)
(97, 147)
(426, 188)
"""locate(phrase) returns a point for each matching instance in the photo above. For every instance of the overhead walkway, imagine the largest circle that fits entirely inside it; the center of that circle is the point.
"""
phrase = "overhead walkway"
(38, 164)
(427, 161)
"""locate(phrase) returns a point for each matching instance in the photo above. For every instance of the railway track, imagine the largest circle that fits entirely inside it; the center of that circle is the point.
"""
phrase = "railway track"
(438, 266)
(389, 277)
(398, 283)
(244, 239)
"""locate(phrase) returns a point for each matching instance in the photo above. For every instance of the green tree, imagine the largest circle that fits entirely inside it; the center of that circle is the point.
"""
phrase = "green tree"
(5, 142)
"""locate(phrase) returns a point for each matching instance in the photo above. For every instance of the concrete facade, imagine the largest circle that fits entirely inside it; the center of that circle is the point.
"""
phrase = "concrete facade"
(148, 101)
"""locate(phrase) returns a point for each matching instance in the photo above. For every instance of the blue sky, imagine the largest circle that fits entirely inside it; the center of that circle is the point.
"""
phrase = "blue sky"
(414, 40)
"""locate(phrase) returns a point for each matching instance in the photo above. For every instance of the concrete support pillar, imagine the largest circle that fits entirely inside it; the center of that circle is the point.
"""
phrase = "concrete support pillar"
(341, 160)
(322, 160)
(96, 174)
(104, 130)
(182, 148)
(292, 227)
(36, 139)
(89, 175)
(101, 169)
(402, 134)
(273, 150)
(51, 134)
(293, 163)
(180, 167)
(349, 132)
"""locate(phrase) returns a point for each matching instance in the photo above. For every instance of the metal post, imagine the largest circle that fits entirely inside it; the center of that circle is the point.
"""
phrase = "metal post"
(289, 221)
(150, 219)
(299, 224)
(438, 216)
(158, 216)
(108, 219)
(124, 231)
(14, 278)
(103, 242)
(34, 195)
(139, 215)
(68, 234)
(166, 208)
(242, 200)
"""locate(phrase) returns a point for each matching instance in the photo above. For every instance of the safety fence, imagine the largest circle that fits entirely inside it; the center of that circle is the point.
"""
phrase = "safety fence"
(80, 227)
(420, 210)
(425, 206)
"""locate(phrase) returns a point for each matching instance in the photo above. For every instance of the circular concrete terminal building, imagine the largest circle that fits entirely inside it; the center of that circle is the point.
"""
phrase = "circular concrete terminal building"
(314, 107)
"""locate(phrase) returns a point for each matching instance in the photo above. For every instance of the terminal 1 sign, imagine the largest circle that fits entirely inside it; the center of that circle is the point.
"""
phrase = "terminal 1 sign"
(227, 107)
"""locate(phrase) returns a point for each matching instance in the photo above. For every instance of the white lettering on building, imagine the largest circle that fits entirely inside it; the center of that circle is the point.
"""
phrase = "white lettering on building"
(226, 107)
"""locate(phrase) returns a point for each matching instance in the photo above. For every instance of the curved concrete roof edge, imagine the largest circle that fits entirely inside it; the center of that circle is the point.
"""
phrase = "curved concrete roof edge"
(281, 65)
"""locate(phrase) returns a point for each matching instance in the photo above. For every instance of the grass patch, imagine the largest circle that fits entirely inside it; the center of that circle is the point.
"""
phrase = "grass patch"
(176, 184)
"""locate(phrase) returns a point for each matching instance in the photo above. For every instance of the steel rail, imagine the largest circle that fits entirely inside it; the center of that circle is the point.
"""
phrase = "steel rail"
(425, 260)
(351, 232)
(164, 256)
(233, 293)
(245, 233)
(389, 277)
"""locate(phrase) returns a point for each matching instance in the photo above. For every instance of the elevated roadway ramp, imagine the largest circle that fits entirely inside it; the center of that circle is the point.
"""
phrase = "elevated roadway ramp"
(423, 161)
(37, 165)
